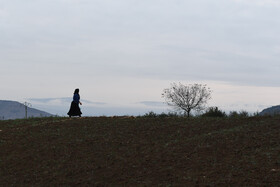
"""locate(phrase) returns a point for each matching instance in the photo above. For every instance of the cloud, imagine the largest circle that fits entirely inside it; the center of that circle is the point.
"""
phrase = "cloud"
(153, 104)
(61, 101)
(60, 106)
(119, 51)
(260, 2)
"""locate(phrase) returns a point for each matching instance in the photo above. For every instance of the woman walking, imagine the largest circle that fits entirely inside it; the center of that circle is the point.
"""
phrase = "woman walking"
(75, 109)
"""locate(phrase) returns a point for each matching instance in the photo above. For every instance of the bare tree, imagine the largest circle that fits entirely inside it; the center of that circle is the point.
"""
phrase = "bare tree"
(187, 97)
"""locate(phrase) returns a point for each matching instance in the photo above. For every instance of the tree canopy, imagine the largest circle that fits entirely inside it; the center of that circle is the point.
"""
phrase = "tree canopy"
(187, 97)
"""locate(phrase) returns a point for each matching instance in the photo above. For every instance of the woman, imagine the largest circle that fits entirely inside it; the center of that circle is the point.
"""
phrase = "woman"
(75, 109)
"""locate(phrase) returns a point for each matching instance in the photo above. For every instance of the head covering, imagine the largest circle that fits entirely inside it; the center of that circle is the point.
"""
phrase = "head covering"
(76, 91)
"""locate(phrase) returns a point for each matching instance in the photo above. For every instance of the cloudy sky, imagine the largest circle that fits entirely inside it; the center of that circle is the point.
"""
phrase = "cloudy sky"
(123, 53)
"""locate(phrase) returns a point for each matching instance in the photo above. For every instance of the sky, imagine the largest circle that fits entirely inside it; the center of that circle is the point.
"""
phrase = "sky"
(122, 54)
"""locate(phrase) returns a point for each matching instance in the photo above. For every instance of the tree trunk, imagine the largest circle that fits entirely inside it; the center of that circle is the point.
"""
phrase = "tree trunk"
(188, 113)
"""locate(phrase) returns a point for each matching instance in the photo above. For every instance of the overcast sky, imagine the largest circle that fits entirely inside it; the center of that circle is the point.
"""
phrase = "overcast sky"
(125, 52)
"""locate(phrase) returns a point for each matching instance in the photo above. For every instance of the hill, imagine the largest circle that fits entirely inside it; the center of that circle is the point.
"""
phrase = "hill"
(274, 110)
(16, 110)
(125, 151)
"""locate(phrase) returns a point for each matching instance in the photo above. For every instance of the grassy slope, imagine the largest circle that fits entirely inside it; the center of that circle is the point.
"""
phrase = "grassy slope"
(140, 151)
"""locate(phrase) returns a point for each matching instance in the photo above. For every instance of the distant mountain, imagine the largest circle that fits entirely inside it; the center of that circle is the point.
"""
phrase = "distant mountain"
(274, 110)
(16, 110)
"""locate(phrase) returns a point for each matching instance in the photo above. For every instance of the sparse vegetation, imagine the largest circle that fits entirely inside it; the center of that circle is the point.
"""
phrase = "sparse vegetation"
(214, 112)
(152, 114)
(241, 114)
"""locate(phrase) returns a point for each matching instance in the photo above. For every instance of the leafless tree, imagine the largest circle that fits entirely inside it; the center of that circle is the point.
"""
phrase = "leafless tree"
(187, 97)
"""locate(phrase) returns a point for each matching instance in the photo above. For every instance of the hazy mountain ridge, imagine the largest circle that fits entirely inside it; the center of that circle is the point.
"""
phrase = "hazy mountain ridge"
(274, 110)
(16, 110)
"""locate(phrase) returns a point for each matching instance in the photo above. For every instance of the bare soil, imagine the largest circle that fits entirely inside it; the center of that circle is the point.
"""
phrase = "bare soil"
(127, 151)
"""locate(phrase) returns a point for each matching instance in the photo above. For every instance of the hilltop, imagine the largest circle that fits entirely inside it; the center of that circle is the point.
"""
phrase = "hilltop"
(274, 110)
(128, 151)
(16, 110)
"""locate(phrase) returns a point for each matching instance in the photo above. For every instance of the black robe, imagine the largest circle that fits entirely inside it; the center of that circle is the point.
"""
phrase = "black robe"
(74, 109)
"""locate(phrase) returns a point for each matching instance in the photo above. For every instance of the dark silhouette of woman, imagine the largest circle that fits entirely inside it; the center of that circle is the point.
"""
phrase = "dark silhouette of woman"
(75, 109)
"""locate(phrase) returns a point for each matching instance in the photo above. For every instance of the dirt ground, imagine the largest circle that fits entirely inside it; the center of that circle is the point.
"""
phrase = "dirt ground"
(127, 151)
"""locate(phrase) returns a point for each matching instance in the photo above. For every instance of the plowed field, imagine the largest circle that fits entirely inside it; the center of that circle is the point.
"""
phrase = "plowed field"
(125, 151)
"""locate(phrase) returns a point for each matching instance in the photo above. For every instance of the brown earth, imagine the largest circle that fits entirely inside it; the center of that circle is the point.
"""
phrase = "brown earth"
(125, 151)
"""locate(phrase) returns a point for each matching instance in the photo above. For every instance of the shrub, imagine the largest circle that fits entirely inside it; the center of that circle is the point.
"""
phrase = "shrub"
(241, 114)
(256, 114)
(233, 114)
(150, 114)
(214, 112)
(172, 114)
(163, 115)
